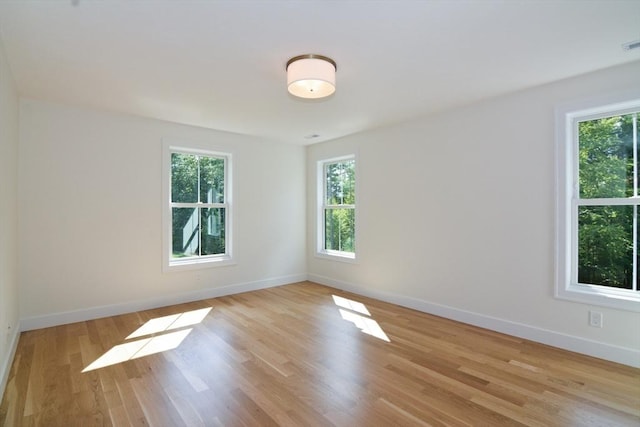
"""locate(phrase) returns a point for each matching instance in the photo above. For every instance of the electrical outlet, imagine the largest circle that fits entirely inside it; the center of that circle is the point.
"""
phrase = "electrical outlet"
(595, 319)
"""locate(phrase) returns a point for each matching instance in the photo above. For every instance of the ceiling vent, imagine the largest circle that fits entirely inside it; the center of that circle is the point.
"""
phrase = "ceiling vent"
(631, 45)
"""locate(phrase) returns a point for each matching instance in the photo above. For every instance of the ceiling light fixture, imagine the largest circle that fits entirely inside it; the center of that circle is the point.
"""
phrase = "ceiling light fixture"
(311, 76)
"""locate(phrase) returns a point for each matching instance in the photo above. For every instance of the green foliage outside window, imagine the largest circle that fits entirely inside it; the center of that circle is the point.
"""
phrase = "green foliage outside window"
(606, 236)
(339, 212)
(198, 228)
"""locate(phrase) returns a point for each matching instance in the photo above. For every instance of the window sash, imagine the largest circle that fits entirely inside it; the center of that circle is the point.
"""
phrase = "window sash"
(199, 205)
(576, 202)
(200, 242)
(221, 239)
(575, 250)
(324, 207)
(350, 206)
(326, 166)
(326, 211)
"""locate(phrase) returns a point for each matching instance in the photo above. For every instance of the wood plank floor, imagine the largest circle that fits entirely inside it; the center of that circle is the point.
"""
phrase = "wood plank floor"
(298, 356)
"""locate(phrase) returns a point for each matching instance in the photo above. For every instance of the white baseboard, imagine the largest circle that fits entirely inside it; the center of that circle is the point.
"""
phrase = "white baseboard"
(91, 313)
(6, 365)
(623, 355)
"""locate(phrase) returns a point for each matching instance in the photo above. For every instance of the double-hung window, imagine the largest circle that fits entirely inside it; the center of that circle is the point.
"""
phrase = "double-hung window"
(198, 215)
(337, 207)
(598, 206)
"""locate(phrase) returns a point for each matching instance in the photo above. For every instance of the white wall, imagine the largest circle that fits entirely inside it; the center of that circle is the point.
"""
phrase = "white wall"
(8, 219)
(474, 189)
(91, 209)
(456, 217)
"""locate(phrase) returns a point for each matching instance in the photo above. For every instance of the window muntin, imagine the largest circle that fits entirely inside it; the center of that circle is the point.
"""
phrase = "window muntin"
(337, 217)
(198, 207)
(598, 228)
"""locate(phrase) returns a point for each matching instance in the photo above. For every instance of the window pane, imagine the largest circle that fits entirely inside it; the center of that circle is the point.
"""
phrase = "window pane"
(340, 181)
(211, 180)
(605, 245)
(606, 157)
(184, 178)
(213, 231)
(185, 231)
(339, 230)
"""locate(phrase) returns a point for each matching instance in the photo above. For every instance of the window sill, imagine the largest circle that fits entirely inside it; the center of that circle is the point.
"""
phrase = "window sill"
(597, 295)
(198, 263)
(347, 257)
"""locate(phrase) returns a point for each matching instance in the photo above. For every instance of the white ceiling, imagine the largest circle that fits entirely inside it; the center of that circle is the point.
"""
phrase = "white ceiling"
(221, 64)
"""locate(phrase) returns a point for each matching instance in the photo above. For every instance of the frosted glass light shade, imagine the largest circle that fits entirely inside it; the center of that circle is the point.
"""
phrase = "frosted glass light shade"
(311, 76)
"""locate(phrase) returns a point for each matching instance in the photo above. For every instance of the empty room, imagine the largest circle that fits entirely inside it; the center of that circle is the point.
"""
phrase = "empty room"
(319, 213)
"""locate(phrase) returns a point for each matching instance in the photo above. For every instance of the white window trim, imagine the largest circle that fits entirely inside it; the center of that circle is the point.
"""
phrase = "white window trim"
(168, 263)
(566, 286)
(348, 257)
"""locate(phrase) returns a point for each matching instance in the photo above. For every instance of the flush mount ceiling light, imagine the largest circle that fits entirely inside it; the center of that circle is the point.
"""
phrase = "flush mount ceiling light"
(311, 76)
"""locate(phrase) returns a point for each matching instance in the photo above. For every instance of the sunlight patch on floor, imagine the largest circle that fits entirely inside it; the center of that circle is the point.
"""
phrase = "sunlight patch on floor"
(174, 321)
(153, 344)
(139, 348)
(351, 305)
(354, 312)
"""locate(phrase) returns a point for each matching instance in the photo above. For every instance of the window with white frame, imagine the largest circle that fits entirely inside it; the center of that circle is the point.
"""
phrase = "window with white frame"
(337, 207)
(197, 219)
(598, 206)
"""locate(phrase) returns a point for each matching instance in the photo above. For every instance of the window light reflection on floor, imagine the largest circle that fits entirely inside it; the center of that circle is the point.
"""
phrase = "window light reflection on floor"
(174, 321)
(365, 324)
(165, 341)
(139, 348)
(351, 305)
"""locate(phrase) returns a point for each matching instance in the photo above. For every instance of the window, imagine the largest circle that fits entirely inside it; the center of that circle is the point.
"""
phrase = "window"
(598, 207)
(337, 207)
(198, 211)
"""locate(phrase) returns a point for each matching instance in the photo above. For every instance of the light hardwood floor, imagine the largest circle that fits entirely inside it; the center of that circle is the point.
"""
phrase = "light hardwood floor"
(297, 356)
